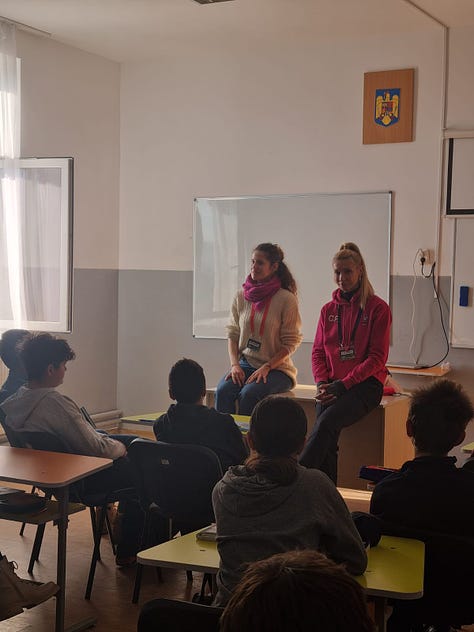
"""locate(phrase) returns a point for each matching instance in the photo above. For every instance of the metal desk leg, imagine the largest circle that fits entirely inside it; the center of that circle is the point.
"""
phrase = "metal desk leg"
(63, 494)
(63, 497)
(379, 614)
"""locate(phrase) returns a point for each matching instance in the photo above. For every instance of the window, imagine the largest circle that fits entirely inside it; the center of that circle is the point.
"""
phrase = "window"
(36, 245)
(35, 217)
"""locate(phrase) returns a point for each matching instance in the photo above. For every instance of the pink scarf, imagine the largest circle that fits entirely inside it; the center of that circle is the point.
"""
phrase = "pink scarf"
(259, 293)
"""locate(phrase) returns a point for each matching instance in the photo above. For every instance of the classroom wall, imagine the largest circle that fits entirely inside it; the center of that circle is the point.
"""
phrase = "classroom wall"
(71, 107)
(283, 116)
(276, 117)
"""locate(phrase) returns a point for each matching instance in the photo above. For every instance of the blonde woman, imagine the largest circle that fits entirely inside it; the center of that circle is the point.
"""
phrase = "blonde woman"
(348, 360)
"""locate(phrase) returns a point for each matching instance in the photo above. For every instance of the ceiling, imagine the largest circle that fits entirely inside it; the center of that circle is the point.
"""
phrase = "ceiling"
(131, 30)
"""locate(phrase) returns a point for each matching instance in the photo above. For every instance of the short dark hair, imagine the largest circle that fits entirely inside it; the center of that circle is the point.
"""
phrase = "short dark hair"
(9, 352)
(38, 351)
(186, 381)
(439, 415)
(298, 586)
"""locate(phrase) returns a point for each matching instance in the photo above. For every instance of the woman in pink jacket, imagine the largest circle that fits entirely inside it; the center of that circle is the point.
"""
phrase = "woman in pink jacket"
(348, 360)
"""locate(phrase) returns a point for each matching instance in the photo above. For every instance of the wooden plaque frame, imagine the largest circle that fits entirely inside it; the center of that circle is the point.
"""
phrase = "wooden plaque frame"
(388, 106)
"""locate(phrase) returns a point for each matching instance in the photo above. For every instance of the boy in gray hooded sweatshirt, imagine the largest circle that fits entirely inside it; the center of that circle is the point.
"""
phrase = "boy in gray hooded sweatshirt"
(271, 504)
(39, 407)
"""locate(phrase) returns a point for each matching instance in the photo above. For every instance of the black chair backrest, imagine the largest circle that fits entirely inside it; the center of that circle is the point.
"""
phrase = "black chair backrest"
(448, 579)
(14, 438)
(178, 616)
(42, 441)
(178, 478)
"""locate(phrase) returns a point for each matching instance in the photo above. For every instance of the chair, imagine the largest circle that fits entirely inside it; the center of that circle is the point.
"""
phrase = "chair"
(95, 501)
(175, 483)
(167, 615)
(448, 580)
(15, 440)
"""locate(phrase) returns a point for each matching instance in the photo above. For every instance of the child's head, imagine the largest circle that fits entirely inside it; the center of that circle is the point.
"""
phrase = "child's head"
(42, 354)
(438, 417)
(276, 435)
(9, 352)
(277, 427)
(302, 586)
(187, 384)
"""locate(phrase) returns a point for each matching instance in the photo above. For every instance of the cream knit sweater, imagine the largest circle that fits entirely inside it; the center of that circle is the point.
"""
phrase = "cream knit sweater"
(282, 330)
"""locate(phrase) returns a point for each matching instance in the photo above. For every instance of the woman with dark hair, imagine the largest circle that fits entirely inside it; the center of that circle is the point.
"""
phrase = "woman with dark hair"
(271, 504)
(349, 355)
(302, 586)
(263, 332)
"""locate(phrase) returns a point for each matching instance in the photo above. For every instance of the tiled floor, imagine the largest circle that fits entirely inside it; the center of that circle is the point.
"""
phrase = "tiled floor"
(112, 591)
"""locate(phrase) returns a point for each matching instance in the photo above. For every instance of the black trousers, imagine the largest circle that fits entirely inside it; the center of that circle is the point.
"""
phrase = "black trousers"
(320, 451)
(120, 476)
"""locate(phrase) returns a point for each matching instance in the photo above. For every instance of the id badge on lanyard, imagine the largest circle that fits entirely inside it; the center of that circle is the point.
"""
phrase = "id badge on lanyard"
(347, 351)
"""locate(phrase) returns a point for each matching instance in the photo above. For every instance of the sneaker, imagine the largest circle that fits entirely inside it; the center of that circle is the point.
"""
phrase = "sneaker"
(17, 593)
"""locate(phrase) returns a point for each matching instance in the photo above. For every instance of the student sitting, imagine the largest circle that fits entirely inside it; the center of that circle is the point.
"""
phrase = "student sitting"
(430, 492)
(271, 504)
(39, 407)
(298, 590)
(11, 359)
(430, 499)
(189, 421)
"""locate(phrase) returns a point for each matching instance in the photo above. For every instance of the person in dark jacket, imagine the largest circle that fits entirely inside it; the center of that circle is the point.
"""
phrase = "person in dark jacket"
(11, 359)
(430, 492)
(189, 421)
(433, 500)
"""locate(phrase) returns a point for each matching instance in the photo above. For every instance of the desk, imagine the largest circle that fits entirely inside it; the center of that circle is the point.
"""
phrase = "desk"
(468, 447)
(379, 438)
(434, 371)
(58, 471)
(145, 422)
(395, 567)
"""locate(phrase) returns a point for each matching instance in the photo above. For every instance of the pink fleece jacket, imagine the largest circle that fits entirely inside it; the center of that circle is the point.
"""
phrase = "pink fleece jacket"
(370, 344)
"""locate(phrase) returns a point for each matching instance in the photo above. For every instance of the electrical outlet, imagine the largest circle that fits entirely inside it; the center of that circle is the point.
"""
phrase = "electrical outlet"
(425, 257)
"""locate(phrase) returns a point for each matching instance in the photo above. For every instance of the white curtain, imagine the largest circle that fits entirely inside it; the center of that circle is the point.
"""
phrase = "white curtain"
(32, 227)
(11, 273)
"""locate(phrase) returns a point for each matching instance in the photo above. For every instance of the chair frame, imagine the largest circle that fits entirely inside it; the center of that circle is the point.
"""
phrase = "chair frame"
(157, 498)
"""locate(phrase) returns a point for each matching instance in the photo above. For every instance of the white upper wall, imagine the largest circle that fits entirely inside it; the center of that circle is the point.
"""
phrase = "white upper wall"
(281, 117)
(71, 107)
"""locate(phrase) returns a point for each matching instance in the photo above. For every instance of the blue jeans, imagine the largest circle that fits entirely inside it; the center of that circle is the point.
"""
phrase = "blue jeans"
(227, 393)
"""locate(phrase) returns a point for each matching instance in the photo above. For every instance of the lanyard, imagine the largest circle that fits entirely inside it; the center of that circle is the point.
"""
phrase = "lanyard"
(339, 327)
(264, 317)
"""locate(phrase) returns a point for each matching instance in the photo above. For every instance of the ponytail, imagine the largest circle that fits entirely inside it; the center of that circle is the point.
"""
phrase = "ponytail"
(280, 470)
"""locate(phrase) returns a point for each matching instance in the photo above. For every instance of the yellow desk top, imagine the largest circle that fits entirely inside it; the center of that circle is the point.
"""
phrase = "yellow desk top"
(149, 418)
(469, 447)
(395, 567)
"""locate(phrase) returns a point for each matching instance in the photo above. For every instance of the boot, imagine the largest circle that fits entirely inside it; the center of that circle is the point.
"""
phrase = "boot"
(17, 593)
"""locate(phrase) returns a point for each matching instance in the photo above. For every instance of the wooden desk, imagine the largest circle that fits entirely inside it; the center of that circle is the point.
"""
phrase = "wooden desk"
(58, 471)
(434, 371)
(469, 447)
(379, 438)
(395, 567)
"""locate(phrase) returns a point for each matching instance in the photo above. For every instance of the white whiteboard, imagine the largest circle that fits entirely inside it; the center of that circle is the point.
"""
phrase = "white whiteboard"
(309, 228)
(462, 318)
